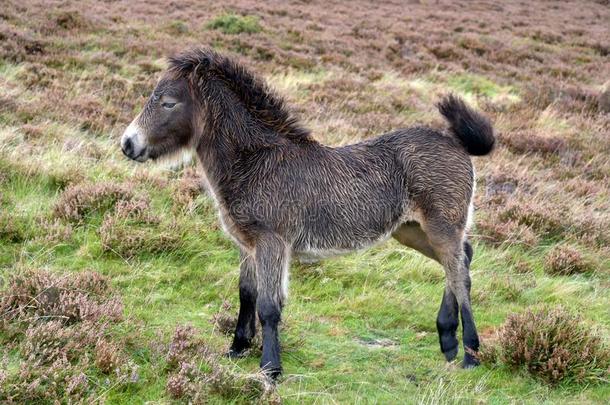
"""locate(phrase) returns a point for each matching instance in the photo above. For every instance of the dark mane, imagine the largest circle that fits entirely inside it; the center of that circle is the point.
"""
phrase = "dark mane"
(259, 100)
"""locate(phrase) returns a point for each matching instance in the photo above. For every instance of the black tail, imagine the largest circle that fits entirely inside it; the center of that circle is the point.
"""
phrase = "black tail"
(472, 129)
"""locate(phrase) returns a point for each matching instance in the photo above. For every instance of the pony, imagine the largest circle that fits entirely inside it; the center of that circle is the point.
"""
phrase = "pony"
(281, 194)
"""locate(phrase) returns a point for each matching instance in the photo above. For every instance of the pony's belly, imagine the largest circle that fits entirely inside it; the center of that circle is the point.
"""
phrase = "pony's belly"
(312, 251)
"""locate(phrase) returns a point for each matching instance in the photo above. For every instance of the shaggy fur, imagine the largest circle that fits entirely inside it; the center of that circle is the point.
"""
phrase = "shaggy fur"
(281, 194)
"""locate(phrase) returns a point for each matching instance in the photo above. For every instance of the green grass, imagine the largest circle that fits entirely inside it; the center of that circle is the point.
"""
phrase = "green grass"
(471, 86)
(335, 308)
(230, 23)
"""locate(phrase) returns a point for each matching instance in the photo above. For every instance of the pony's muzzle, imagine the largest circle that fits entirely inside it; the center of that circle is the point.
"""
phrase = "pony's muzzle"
(131, 144)
(127, 147)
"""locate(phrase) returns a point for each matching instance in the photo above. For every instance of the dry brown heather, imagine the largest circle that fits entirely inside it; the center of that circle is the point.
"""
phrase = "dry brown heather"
(566, 260)
(186, 381)
(553, 345)
(65, 323)
(82, 199)
(74, 73)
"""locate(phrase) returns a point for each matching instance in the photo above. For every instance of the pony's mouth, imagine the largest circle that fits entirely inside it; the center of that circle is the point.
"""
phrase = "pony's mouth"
(142, 155)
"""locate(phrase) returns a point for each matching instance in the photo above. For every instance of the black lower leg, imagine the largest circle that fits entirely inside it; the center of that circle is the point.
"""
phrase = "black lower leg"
(246, 320)
(447, 324)
(271, 263)
(469, 331)
(470, 337)
(269, 314)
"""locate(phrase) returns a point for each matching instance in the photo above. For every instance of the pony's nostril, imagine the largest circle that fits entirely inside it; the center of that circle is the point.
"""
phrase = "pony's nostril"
(128, 147)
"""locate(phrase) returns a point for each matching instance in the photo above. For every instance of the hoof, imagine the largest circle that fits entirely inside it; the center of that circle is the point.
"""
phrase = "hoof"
(239, 348)
(272, 373)
(451, 354)
(236, 354)
(469, 362)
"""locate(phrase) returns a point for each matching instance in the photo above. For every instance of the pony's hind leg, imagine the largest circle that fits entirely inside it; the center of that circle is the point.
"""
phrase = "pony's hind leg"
(470, 336)
(447, 320)
(455, 254)
(246, 320)
(412, 235)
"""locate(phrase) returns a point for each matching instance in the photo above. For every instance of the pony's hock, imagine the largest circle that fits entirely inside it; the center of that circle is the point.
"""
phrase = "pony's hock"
(281, 194)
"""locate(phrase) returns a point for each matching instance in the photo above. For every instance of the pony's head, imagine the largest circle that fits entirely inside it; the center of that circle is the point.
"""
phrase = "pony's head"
(203, 91)
(167, 124)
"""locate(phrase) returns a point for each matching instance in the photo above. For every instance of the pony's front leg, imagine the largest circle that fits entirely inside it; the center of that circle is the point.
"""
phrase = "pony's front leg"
(246, 321)
(272, 259)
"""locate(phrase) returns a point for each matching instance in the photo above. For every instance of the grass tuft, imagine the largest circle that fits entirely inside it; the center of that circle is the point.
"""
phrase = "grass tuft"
(138, 234)
(177, 27)
(230, 23)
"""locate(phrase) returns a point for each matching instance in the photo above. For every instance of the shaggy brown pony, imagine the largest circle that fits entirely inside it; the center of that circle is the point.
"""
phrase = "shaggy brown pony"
(281, 194)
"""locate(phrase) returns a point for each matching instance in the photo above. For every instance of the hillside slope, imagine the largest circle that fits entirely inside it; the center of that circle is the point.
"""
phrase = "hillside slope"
(102, 259)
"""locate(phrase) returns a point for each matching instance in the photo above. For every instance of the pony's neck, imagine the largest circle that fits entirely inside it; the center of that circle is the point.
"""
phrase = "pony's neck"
(230, 131)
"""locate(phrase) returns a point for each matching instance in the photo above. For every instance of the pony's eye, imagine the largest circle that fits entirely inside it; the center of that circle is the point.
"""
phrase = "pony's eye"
(168, 106)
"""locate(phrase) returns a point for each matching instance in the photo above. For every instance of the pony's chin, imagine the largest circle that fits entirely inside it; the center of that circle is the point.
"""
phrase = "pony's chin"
(141, 158)
(174, 160)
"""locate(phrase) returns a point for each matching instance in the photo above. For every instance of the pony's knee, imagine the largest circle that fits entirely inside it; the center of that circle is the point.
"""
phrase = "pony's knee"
(460, 287)
(269, 311)
(248, 288)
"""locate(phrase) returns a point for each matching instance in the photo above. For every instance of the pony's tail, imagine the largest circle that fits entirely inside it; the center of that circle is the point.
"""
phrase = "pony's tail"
(473, 130)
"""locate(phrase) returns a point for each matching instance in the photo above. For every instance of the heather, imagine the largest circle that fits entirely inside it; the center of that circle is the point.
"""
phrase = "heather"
(553, 345)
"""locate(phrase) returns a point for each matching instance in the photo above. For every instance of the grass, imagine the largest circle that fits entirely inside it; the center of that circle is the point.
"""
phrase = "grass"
(358, 328)
(473, 86)
(235, 24)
